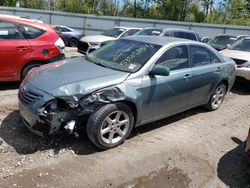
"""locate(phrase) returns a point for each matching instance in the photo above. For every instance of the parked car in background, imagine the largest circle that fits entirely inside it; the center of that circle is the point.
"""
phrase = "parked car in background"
(221, 42)
(247, 148)
(205, 39)
(151, 31)
(126, 83)
(90, 43)
(181, 33)
(26, 44)
(170, 32)
(240, 53)
(70, 36)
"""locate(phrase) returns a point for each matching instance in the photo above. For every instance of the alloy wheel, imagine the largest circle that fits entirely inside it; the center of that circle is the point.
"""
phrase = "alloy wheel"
(114, 127)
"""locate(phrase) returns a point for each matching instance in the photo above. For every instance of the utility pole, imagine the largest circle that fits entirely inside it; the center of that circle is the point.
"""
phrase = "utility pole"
(134, 8)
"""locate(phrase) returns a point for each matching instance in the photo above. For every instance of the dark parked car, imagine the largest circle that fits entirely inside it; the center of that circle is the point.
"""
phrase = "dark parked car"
(221, 42)
(70, 36)
(171, 32)
(124, 84)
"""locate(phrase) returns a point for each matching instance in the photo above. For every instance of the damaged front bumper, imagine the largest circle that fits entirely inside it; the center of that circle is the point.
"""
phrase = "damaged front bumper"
(45, 124)
(44, 114)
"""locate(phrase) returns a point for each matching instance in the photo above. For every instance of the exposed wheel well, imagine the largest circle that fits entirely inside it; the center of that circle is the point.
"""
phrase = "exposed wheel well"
(30, 63)
(226, 83)
(133, 108)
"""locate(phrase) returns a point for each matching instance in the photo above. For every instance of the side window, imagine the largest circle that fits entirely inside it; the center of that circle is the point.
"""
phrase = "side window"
(30, 32)
(174, 58)
(180, 34)
(65, 29)
(168, 34)
(191, 36)
(8, 31)
(202, 56)
(58, 29)
(130, 32)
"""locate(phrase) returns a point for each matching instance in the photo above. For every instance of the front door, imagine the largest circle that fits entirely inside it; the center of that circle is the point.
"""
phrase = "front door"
(167, 95)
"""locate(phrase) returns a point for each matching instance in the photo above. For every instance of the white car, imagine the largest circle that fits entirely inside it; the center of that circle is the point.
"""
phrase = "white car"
(89, 43)
(240, 53)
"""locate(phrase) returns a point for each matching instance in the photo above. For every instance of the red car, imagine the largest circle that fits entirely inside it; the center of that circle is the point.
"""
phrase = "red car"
(25, 44)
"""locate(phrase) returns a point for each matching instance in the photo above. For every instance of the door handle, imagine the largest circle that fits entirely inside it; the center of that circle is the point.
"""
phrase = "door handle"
(21, 48)
(187, 77)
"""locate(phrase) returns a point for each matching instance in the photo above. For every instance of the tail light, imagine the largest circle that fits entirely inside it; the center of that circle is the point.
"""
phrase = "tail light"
(60, 45)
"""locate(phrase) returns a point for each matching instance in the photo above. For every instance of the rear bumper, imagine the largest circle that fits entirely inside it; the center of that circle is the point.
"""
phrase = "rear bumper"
(243, 72)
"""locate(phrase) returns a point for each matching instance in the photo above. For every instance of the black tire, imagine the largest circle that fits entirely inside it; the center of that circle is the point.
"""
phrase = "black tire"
(73, 42)
(210, 105)
(97, 119)
(28, 68)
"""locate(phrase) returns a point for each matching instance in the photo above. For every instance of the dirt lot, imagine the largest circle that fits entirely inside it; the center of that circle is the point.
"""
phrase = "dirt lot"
(196, 148)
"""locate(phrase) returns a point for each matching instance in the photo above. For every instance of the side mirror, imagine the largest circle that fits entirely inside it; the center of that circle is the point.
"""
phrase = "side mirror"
(228, 45)
(159, 70)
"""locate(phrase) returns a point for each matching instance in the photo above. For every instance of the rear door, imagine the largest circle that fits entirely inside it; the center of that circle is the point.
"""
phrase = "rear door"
(14, 51)
(206, 73)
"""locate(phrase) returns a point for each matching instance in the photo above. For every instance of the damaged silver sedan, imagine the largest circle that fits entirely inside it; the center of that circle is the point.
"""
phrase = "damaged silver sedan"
(124, 84)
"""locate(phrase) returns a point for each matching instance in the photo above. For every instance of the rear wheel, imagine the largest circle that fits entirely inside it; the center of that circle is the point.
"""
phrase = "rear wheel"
(73, 42)
(217, 97)
(110, 125)
(28, 68)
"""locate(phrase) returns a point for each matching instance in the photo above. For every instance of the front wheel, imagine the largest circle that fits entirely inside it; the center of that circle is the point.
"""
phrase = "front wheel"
(73, 42)
(217, 97)
(110, 125)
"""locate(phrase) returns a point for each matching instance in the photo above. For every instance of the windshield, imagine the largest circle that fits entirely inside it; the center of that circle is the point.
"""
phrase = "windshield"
(156, 32)
(242, 45)
(116, 32)
(123, 55)
(222, 40)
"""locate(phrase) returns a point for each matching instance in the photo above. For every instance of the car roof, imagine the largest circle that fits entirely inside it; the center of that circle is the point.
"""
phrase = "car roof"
(25, 21)
(226, 35)
(124, 27)
(177, 29)
(158, 40)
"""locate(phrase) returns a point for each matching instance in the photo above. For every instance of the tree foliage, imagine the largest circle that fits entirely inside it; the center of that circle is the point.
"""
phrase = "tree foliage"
(209, 11)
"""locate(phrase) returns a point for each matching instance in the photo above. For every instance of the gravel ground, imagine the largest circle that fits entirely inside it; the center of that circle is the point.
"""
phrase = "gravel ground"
(196, 148)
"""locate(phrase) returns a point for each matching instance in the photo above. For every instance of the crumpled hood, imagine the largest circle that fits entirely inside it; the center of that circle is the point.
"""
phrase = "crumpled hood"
(235, 54)
(73, 77)
(97, 38)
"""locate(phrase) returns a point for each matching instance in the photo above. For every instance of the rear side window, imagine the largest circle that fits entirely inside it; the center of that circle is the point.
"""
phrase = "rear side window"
(191, 36)
(30, 32)
(180, 34)
(202, 56)
(8, 31)
(174, 58)
(130, 32)
(168, 34)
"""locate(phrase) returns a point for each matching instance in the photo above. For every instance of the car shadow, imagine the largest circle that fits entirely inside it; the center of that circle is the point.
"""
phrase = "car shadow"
(233, 169)
(241, 87)
(9, 85)
(13, 132)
